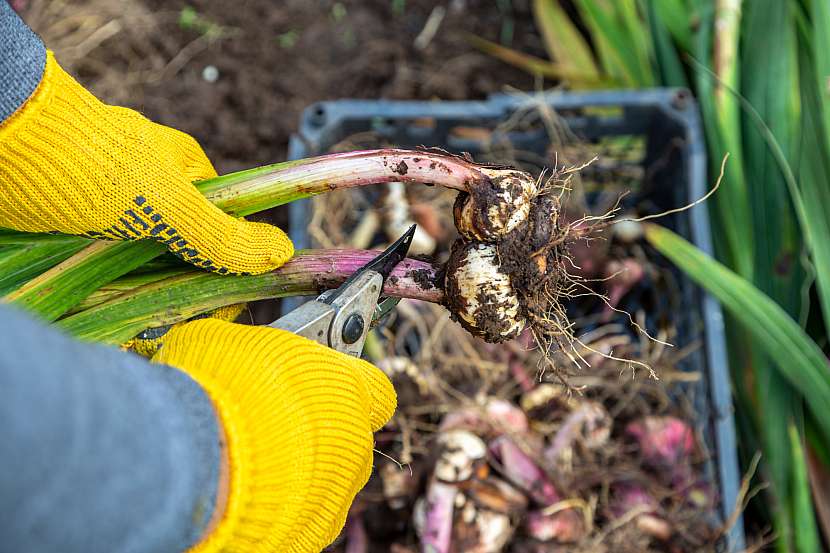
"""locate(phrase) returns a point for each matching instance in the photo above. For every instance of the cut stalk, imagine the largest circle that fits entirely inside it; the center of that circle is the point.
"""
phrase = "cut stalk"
(178, 298)
(64, 286)
(18, 264)
(262, 188)
(10, 237)
(127, 284)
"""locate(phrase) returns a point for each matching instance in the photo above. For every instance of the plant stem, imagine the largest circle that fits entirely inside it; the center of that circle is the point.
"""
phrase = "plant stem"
(63, 287)
(262, 188)
(178, 298)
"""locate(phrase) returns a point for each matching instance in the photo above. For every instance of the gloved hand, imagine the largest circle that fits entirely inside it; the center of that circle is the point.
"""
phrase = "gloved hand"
(72, 164)
(148, 342)
(298, 418)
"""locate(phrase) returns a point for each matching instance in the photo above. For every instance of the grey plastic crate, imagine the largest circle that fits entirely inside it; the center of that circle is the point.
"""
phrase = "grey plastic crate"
(662, 117)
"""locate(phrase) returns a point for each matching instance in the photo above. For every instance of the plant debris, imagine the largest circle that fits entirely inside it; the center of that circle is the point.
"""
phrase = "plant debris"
(536, 445)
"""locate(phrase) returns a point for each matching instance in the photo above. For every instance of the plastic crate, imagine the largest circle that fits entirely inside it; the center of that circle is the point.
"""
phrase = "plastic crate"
(660, 117)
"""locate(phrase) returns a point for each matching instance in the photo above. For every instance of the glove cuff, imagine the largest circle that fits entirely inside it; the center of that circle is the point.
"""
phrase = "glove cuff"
(39, 99)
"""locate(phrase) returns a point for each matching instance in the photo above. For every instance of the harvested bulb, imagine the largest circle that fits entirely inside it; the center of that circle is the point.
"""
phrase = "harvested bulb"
(507, 272)
(492, 209)
(481, 294)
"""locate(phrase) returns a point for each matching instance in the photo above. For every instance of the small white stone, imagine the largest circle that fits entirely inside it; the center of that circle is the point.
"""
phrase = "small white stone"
(210, 73)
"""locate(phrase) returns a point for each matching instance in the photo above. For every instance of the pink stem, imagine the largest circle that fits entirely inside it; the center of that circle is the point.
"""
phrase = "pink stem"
(437, 532)
(523, 471)
(409, 279)
(517, 369)
(374, 166)
(567, 434)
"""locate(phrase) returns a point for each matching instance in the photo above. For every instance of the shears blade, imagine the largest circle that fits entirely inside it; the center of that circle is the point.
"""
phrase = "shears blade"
(341, 318)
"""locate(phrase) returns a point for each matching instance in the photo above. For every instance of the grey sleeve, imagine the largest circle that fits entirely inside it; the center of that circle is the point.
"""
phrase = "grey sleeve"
(100, 451)
(22, 59)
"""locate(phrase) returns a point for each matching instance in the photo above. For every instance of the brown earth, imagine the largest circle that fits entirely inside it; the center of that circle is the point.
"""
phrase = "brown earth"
(272, 59)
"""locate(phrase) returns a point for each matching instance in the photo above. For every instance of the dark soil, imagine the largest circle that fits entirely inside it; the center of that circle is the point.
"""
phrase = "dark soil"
(275, 58)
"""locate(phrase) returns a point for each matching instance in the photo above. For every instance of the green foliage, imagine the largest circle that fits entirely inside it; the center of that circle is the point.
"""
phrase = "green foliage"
(760, 70)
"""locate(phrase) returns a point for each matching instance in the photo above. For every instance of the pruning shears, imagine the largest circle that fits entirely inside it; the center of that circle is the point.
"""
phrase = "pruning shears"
(341, 318)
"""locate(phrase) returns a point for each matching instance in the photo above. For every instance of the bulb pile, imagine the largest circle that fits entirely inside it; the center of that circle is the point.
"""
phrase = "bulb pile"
(505, 270)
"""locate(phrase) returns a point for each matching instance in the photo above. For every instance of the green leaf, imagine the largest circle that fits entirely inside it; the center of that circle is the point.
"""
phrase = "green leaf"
(777, 237)
(732, 221)
(806, 534)
(667, 62)
(176, 299)
(820, 16)
(13, 237)
(817, 455)
(797, 357)
(563, 41)
(635, 28)
(675, 16)
(20, 264)
(127, 284)
(57, 291)
(778, 403)
(814, 160)
(621, 54)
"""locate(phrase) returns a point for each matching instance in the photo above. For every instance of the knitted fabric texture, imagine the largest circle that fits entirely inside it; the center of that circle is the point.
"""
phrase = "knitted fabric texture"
(71, 164)
(22, 56)
(148, 346)
(298, 418)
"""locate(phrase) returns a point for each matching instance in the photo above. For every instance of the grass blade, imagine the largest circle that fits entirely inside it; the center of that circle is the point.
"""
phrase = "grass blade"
(820, 17)
(797, 357)
(563, 41)
(732, 220)
(777, 237)
(667, 63)
(805, 530)
(814, 159)
(815, 194)
(78, 276)
(536, 66)
(621, 55)
(21, 264)
(675, 16)
(818, 470)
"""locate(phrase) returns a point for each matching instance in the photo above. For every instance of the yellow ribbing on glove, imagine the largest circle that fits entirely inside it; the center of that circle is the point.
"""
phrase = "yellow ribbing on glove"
(72, 164)
(298, 418)
(147, 347)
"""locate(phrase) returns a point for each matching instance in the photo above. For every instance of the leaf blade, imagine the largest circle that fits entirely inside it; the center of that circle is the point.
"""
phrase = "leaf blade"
(563, 40)
(797, 357)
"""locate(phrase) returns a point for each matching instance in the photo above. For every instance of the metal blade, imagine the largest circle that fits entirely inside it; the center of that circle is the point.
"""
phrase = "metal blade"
(382, 264)
(383, 308)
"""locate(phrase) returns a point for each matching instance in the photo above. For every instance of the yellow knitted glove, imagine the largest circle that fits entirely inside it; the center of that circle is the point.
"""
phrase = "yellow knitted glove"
(72, 164)
(298, 418)
(148, 343)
